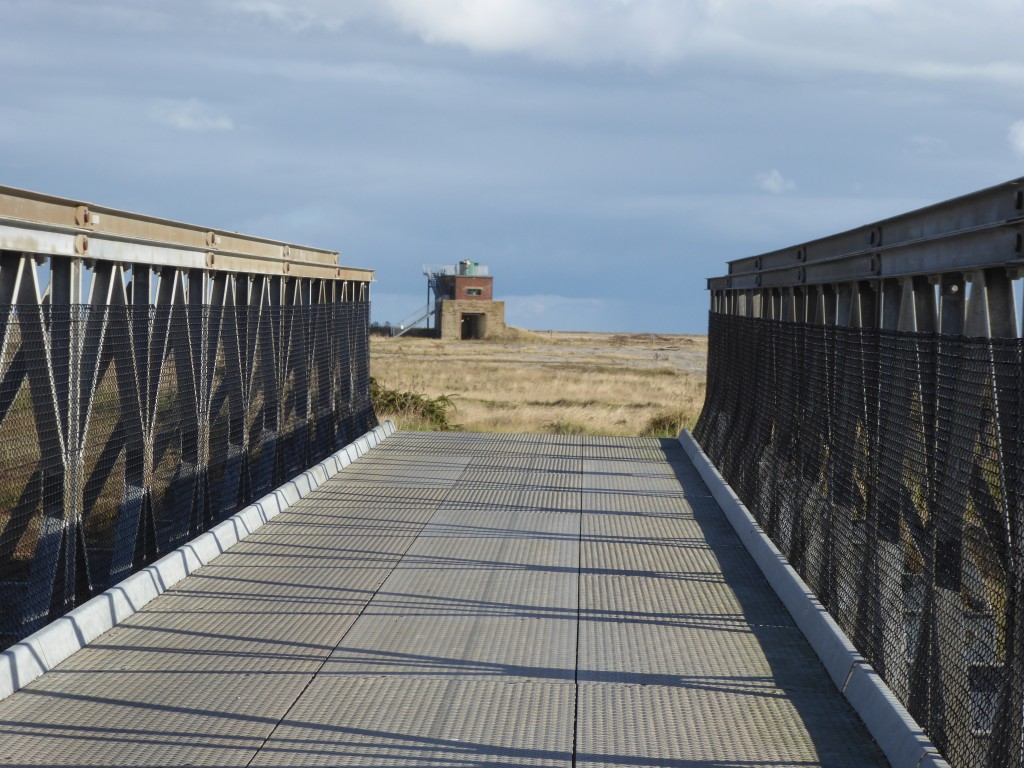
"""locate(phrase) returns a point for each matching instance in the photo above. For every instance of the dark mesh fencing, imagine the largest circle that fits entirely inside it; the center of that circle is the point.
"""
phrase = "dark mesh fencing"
(889, 469)
(125, 432)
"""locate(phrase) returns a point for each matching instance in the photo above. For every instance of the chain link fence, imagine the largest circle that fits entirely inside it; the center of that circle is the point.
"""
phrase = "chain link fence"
(126, 431)
(889, 469)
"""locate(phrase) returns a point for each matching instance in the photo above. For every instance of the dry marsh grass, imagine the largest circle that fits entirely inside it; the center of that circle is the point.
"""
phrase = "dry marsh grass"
(567, 383)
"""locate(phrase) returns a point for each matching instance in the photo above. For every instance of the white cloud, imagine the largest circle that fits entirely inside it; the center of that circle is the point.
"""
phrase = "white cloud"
(291, 15)
(1016, 136)
(775, 182)
(639, 31)
(302, 14)
(923, 144)
(918, 39)
(188, 115)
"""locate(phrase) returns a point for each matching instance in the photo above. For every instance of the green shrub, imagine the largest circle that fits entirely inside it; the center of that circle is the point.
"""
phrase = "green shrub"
(413, 410)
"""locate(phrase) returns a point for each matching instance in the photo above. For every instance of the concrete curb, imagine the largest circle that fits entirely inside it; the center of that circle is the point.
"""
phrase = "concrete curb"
(42, 651)
(902, 740)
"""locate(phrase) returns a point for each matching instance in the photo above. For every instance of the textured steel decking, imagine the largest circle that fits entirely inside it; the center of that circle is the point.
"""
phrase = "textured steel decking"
(460, 600)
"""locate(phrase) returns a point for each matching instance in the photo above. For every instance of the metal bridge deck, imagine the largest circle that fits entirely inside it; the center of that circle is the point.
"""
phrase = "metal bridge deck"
(460, 600)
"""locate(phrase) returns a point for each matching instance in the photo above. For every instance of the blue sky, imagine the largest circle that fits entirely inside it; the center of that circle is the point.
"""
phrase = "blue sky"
(602, 156)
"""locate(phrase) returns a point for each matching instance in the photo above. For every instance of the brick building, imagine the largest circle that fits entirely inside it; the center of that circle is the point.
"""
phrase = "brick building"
(464, 305)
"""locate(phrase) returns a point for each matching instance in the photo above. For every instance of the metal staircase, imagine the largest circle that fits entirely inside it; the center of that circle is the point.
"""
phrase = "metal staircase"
(412, 321)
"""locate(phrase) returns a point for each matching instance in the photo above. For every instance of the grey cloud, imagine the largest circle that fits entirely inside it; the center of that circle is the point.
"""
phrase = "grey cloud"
(601, 180)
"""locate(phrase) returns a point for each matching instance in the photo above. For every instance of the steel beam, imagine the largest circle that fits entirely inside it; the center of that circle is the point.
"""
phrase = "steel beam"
(43, 224)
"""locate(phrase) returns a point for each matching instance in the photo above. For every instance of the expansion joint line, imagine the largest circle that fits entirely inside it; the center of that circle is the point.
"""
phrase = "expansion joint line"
(579, 603)
(412, 540)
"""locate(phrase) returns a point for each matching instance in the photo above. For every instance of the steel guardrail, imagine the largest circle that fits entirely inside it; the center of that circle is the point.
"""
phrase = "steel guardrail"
(880, 275)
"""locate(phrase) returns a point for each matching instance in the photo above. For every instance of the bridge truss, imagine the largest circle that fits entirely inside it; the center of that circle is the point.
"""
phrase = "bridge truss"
(155, 377)
(866, 402)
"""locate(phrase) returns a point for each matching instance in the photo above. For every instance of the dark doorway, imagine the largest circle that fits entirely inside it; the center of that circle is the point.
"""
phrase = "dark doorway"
(474, 326)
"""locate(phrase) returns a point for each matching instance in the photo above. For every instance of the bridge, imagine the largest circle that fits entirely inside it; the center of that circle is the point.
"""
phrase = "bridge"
(826, 573)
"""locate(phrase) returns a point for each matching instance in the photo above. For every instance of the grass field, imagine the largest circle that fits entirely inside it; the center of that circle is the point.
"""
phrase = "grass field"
(554, 382)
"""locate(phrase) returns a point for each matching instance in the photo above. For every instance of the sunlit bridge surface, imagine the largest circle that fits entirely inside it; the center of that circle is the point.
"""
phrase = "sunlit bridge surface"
(460, 600)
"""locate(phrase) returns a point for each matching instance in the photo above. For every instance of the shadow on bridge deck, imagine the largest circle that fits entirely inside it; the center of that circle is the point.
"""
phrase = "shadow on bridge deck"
(460, 600)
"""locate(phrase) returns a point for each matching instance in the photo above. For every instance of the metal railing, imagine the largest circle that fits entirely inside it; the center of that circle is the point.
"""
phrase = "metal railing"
(155, 377)
(909, 273)
(456, 270)
(866, 402)
(412, 321)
